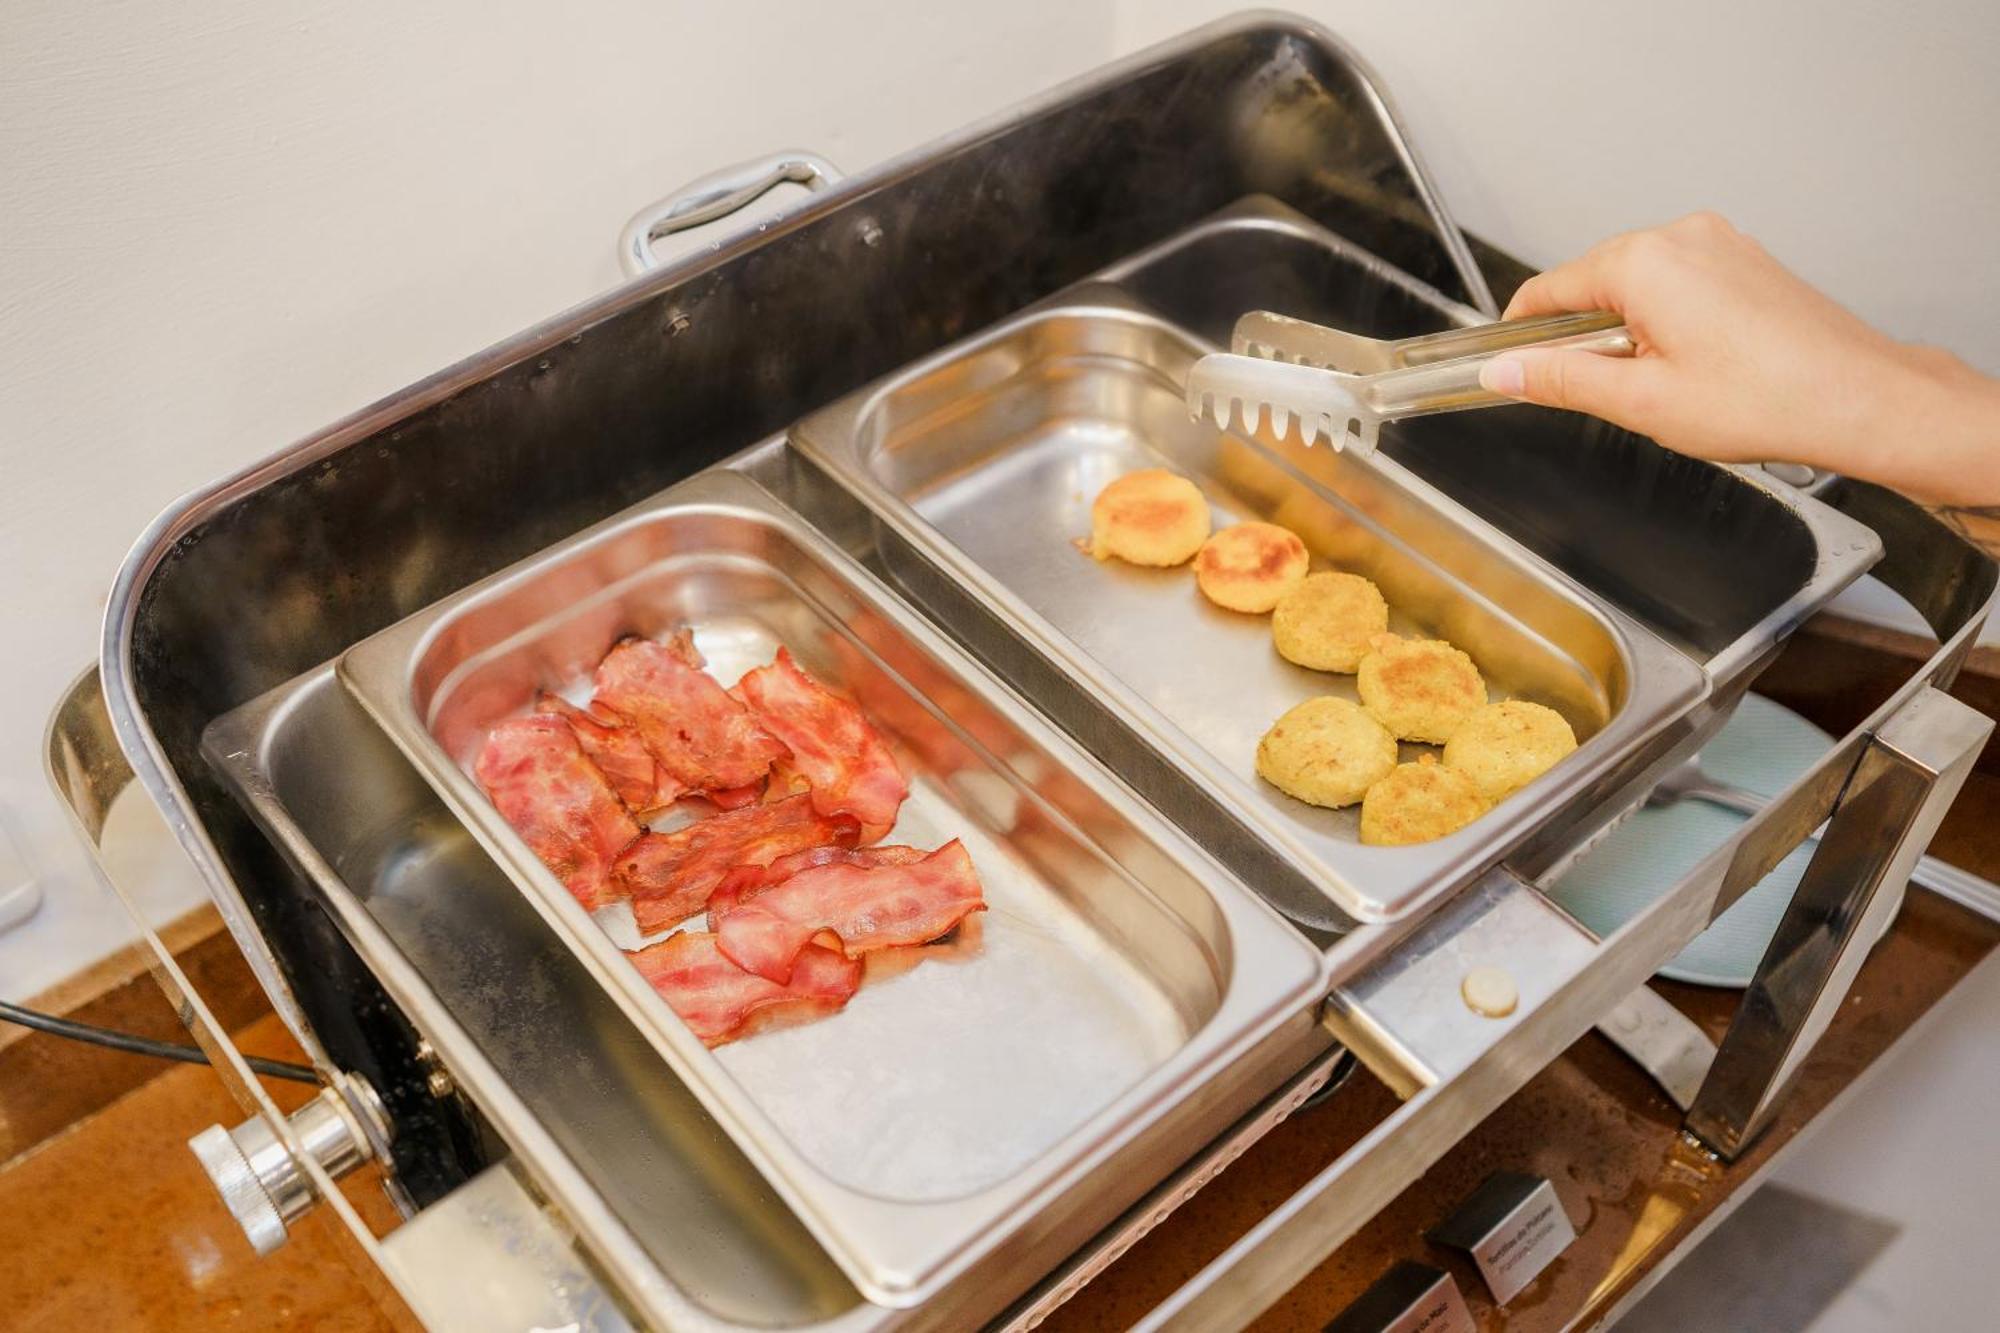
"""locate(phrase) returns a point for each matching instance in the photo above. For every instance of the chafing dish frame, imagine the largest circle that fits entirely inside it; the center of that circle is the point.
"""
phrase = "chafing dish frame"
(105, 733)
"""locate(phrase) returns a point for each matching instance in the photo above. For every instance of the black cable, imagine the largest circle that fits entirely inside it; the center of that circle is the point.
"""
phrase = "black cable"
(126, 1041)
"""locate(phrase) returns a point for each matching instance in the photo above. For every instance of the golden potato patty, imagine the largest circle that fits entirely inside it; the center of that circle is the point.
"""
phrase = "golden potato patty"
(1148, 517)
(1418, 802)
(1326, 752)
(1249, 566)
(1503, 747)
(1328, 621)
(1420, 689)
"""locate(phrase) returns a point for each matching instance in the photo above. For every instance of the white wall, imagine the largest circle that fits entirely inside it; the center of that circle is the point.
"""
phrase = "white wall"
(1855, 139)
(223, 225)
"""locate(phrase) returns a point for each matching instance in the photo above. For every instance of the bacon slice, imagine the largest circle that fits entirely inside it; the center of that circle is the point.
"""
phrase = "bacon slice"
(616, 749)
(868, 907)
(716, 998)
(538, 777)
(743, 883)
(839, 755)
(702, 736)
(669, 876)
(735, 798)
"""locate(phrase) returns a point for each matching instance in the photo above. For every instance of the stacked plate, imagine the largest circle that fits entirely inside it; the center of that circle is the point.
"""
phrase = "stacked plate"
(1761, 750)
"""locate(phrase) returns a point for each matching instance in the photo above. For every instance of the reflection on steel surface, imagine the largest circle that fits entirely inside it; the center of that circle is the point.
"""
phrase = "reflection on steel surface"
(529, 1273)
(262, 1185)
(714, 197)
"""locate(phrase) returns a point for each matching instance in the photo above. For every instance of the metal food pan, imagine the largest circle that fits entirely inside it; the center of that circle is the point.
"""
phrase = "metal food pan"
(985, 460)
(612, 1138)
(1009, 1091)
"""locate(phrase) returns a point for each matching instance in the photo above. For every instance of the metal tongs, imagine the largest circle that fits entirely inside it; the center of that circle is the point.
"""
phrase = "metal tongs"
(1346, 386)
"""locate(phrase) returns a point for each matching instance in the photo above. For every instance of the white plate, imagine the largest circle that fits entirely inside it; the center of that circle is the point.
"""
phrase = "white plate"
(1761, 749)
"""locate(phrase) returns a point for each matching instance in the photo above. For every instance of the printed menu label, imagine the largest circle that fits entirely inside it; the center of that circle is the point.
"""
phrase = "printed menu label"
(1513, 1226)
(1409, 1298)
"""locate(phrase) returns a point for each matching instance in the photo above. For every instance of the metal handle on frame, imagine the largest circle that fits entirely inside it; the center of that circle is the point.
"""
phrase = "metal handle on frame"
(89, 772)
(715, 196)
(271, 1167)
(1906, 778)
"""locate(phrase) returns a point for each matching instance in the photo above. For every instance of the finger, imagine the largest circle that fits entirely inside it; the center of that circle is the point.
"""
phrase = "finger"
(1594, 280)
(1615, 388)
(1578, 285)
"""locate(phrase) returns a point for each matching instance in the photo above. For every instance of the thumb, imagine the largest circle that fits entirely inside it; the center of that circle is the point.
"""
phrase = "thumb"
(1560, 377)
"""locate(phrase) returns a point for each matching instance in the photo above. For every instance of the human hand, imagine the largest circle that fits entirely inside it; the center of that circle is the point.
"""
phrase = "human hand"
(1739, 360)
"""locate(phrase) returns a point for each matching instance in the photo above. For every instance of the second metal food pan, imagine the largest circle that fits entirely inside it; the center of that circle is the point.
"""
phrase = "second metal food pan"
(1010, 1091)
(986, 457)
(621, 1148)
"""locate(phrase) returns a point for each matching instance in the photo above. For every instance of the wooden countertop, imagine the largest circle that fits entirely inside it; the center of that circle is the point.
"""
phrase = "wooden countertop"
(110, 1223)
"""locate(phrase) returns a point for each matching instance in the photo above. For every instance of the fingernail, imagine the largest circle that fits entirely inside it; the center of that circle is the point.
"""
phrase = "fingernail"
(1504, 375)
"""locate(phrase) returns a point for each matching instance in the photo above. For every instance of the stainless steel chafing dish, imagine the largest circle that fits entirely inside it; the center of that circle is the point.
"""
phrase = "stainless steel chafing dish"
(839, 387)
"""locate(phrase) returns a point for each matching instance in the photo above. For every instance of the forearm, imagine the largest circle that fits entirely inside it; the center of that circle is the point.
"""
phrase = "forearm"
(1938, 439)
(1939, 443)
(1740, 361)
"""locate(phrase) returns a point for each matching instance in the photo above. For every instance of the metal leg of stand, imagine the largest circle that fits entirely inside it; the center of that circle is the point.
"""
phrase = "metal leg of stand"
(1901, 787)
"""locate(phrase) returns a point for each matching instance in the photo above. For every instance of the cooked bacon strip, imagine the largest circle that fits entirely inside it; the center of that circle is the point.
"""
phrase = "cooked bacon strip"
(703, 736)
(616, 749)
(735, 798)
(715, 997)
(743, 883)
(841, 758)
(542, 783)
(868, 907)
(669, 876)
